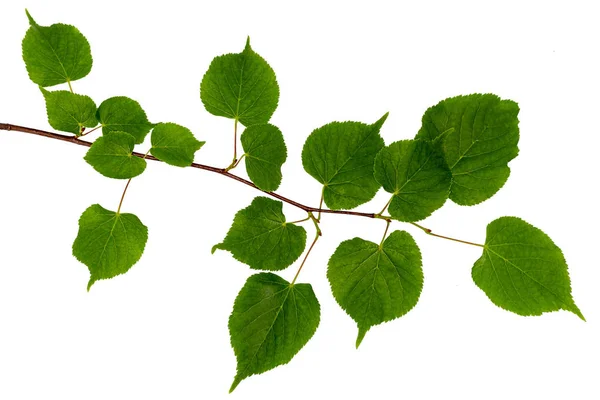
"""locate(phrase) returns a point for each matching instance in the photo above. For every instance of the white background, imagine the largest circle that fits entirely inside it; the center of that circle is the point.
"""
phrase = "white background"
(160, 331)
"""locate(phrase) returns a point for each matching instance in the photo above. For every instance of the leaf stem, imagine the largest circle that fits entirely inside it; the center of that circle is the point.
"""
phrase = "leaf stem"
(70, 87)
(127, 187)
(387, 226)
(429, 232)
(300, 220)
(90, 131)
(306, 256)
(123, 195)
(386, 205)
(321, 203)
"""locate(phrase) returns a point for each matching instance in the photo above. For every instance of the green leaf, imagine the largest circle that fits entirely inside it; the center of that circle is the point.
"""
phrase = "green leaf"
(261, 238)
(376, 283)
(340, 155)
(416, 175)
(69, 112)
(124, 115)
(55, 54)
(265, 153)
(240, 86)
(522, 270)
(482, 134)
(111, 155)
(174, 144)
(108, 243)
(271, 321)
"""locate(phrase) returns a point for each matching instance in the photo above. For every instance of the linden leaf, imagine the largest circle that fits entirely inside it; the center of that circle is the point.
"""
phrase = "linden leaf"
(111, 155)
(271, 321)
(265, 153)
(261, 238)
(69, 112)
(376, 283)
(416, 175)
(240, 86)
(340, 155)
(522, 270)
(174, 144)
(55, 54)
(482, 134)
(124, 115)
(108, 243)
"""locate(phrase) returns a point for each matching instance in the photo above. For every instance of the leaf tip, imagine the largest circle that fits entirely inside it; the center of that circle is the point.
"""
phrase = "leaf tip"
(215, 248)
(236, 382)
(575, 310)
(379, 123)
(247, 47)
(30, 18)
(90, 283)
(361, 335)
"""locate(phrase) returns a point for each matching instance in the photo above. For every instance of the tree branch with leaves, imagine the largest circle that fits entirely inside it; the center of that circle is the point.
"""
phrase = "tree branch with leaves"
(460, 153)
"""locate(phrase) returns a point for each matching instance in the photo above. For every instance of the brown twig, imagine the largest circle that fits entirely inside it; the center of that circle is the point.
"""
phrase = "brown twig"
(221, 171)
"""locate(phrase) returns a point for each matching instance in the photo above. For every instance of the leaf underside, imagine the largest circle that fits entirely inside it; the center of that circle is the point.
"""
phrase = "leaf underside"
(261, 238)
(481, 134)
(271, 321)
(108, 243)
(522, 270)
(340, 155)
(373, 283)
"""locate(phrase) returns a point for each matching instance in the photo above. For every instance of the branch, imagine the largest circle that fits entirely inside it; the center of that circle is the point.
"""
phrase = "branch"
(221, 171)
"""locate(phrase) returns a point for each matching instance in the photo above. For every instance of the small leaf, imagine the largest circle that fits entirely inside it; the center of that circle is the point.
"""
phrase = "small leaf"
(55, 54)
(522, 270)
(340, 155)
(261, 238)
(174, 144)
(111, 155)
(416, 175)
(69, 112)
(271, 321)
(376, 283)
(482, 134)
(108, 243)
(124, 115)
(265, 153)
(240, 86)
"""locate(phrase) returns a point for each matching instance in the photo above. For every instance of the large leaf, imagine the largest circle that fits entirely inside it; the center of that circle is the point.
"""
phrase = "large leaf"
(416, 175)
(240, 86)
(340, 155)
(111, 155)
(376, 283)
(481, 136)
(522, 270)
(109, 243)
(55, 54)
(174, 144)
(265, 153)
(124, 115)
(271, 321)
(261, 238)
(69, 112)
